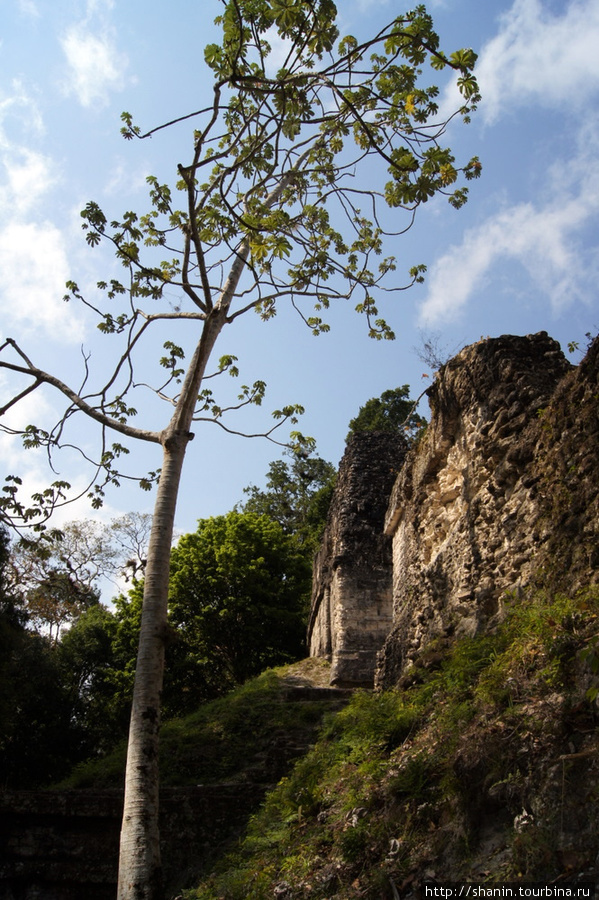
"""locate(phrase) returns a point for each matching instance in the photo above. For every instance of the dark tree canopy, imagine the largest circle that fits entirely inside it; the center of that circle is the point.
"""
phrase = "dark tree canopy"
(37, 740)
(297, 496)
(392, 411)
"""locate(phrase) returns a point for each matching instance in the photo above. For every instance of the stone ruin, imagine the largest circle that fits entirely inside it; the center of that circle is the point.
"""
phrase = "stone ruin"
(500, 494)
(352, 602)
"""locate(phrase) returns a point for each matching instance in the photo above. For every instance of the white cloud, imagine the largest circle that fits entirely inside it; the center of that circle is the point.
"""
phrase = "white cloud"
(33, 257)
(31, 466)
(541, 240)
(536, 59)
(29, 175)
(20, 106)
(30, 409)
(542, 237)
(540, 58)
(95, 66)
(34, 270)
(25, 173)
(29, 8)
(123, 178)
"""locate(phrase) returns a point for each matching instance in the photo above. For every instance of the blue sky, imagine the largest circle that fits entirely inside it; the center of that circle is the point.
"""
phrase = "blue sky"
(519, 258)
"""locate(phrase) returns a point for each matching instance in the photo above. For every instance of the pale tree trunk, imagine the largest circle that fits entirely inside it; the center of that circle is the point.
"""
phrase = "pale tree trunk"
(140, 869)
(140, 873)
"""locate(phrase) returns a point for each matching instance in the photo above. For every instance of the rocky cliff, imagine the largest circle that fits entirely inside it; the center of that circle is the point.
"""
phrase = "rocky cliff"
(500, 494)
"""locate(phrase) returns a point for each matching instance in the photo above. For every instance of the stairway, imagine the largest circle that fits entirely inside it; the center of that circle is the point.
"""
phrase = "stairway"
(63, 845)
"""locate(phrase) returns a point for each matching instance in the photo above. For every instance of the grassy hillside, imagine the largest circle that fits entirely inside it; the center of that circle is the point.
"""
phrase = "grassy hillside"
(251, 733)
(483, 766)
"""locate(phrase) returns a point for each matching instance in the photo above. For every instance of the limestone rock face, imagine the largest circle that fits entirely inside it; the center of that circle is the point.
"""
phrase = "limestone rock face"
(501, 494)
(351, 599)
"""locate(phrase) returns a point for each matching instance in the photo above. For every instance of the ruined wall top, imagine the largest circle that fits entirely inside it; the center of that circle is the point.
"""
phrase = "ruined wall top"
(500, 495)
(368, 469)
(495, 386)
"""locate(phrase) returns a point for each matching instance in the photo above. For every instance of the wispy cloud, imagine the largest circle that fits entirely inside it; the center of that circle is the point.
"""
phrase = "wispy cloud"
(536, 59)
(542, 237)
(33, 258)
(123, 177)
(27, 176)
(30, 409)
(542, 240)
(539, 57)
(17, 105)
(42, 408)
(96, 68)
(34, 269)
(29, 8)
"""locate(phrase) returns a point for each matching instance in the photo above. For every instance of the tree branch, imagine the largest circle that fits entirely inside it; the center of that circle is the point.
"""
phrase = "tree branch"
(96, 414)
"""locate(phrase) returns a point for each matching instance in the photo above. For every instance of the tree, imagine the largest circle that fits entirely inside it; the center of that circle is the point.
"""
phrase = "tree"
(297, 496)
(37, 740)
(129, 535)
(96, 669)
(57, 601)
(392, 411)
(58, 578)
(85, 551)
(271, 212)
(238, 601)
(67, 687)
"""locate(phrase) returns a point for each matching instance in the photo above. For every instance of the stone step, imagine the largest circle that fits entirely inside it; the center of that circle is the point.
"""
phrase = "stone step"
(63, 845)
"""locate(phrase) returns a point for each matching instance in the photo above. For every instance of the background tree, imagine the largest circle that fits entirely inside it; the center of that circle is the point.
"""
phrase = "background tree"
(129, 537)
(272, 210)
(392, 411)
(58, 578)
(37, 741)
(96, 668)
(238, 597)
(57, 601)
(239, 591)
(297, 496)
(66, 662)
(86, 551)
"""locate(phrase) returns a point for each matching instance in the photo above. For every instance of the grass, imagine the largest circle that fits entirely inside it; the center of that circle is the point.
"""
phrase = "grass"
(396, 782)
(401, 778)
(231, 738)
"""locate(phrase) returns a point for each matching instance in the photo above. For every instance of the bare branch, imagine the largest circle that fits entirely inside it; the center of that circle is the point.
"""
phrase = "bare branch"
(11, 403)
(263, 434)
(96, 414)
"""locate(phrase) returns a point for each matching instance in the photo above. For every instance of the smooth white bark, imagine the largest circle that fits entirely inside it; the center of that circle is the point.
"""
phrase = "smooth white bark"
(139, 863)
(139, 859)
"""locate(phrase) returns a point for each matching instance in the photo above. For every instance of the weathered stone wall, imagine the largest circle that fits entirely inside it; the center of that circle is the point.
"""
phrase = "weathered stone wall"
(351, 598)
(501, 493)
(64, 845)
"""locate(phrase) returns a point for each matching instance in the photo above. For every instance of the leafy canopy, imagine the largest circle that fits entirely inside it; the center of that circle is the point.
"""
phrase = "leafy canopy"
(300, 175)
(237, 601)
(393, 411)
(297, 496)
